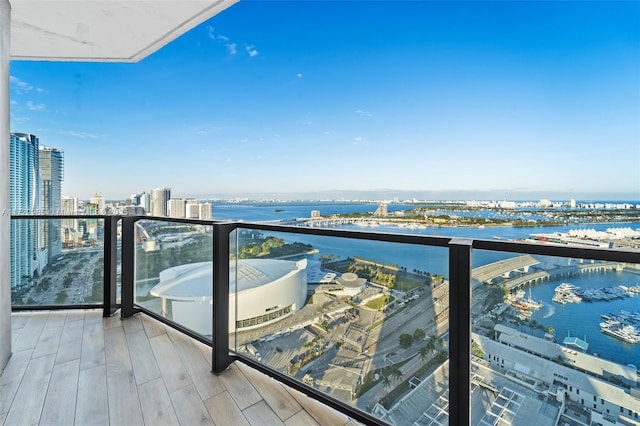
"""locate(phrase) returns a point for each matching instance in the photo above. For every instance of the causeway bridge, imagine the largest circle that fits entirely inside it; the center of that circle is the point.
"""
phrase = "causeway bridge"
(322, 222)
(487, 274)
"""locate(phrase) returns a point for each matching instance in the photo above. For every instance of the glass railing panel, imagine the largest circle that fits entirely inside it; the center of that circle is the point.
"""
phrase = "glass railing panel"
(554, 337)
(57, 261)
(173, 272)
(365, 322)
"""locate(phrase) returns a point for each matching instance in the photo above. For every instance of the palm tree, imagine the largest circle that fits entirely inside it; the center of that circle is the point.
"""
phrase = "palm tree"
(431, 343)
(386, 382)
(396, 373)
(423, 353)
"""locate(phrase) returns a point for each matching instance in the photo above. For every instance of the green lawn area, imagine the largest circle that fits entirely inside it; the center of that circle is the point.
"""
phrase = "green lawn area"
(404, 284)
(380, 302)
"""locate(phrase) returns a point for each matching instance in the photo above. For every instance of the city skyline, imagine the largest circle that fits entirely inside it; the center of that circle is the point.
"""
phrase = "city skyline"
(486, 100)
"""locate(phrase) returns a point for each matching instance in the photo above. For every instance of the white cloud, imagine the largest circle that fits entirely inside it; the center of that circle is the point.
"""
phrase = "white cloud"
(299, 75)
(362, 113)
(210, 32)
(81, 135)
(251, 50)
(357, 140)
(232, 48)
(34, 107)
(20, 84)
(205, 129)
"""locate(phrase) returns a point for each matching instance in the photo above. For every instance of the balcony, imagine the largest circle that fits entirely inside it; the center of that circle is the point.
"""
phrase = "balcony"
(446, 339)
(76, 367)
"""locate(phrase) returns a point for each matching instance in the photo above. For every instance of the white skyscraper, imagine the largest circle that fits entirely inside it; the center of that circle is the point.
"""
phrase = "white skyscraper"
(69, 205)
(70, 231)
(177, 207)
(159, 199)
(98, 201)
(205, 211)
(193, 210)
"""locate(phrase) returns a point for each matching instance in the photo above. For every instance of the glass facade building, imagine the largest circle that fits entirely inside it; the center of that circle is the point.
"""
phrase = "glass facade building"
(24, 194)
(52, 174)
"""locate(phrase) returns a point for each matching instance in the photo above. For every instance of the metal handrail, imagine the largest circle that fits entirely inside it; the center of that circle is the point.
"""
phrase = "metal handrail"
(460, 256)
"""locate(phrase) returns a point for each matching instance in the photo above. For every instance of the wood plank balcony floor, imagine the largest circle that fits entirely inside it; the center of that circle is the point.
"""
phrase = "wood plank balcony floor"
(77, 368)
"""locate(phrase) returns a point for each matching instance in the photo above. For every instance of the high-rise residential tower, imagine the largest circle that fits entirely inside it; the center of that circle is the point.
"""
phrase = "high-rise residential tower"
(52, 174)
(24, 195)
(193, 209)
(98, 200)
(70, 232)
(159, 199)
(205, 211)
(145, 201)
(177, 207)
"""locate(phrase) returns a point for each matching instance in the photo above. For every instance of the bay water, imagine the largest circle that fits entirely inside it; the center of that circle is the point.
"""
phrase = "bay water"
(581, 320)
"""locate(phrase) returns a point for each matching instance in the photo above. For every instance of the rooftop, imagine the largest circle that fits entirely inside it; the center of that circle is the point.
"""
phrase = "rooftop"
(76, 367)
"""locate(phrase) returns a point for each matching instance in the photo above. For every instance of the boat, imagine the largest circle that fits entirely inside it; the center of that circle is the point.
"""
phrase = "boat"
(623, 325)
(566, 293)
(532, 304)
(518, 301)
(626, 333)
(566, 287)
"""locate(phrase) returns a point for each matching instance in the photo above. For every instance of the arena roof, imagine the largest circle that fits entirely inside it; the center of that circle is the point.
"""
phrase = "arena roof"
(195, 280)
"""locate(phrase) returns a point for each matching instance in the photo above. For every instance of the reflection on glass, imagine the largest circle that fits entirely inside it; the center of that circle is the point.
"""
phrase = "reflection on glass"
(173, 272)
(365, 322)
(57, 261)
(557, 337)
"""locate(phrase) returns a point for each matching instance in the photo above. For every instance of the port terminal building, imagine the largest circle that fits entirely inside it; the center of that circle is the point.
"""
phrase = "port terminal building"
(601, 386)
(520, 379)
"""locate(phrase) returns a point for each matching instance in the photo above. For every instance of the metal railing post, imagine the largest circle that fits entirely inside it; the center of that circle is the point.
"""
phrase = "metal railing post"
(128, 265)
(220, 338)
(460, 331)
(110, 265)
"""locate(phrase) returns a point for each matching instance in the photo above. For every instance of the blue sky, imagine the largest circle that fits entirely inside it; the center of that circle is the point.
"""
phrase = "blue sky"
(499, 99)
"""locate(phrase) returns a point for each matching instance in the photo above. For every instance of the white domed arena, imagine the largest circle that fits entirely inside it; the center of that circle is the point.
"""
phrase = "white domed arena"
(261, 292)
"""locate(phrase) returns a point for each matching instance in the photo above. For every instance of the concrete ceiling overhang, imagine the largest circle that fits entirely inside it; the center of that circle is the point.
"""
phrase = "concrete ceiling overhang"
(102, 30)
